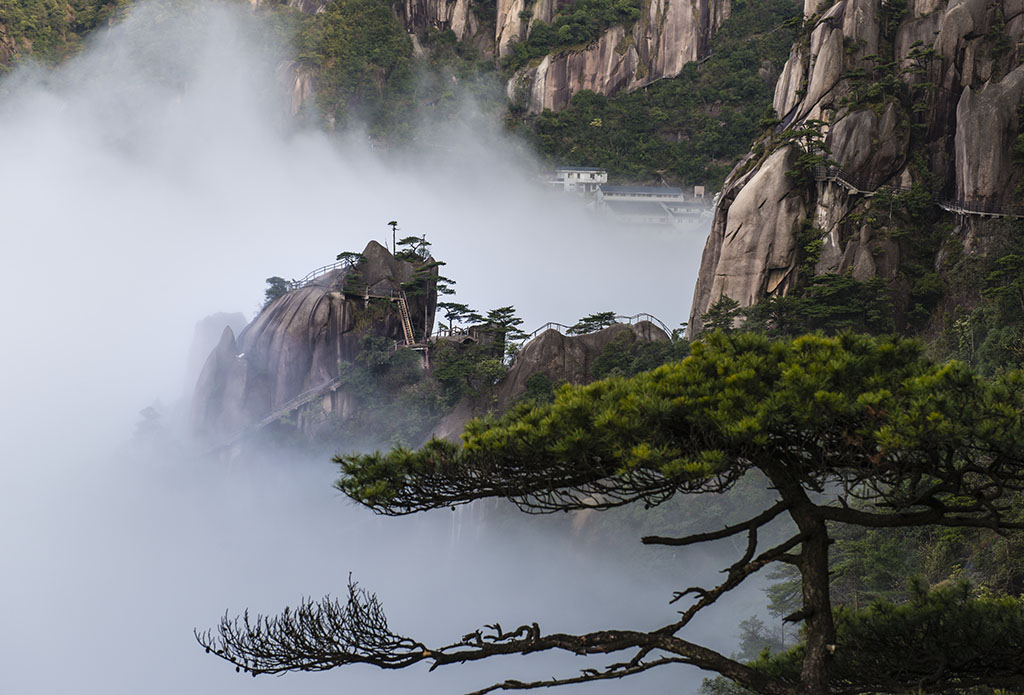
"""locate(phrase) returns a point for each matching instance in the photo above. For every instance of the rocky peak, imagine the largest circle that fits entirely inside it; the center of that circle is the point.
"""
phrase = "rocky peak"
(923, 94)
(297, 343)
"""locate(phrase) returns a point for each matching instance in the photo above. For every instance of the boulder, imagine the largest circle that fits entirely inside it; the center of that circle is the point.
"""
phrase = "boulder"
(296, 344)
(566, 357)
(559, 357)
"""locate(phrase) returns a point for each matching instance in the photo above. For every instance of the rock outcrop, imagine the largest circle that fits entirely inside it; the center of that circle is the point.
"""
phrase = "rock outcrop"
(561, 358)
(208, 334)
(927, 95)
(567, 358)
(456, 15)
(6, 47)
(298, 342)
(667, 37)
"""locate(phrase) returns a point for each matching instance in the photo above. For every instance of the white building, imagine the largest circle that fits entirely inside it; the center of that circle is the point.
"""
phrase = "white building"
(579, 179)
(659, 205)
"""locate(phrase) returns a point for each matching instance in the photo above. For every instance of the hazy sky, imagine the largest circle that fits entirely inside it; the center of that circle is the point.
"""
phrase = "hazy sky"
(154, 180)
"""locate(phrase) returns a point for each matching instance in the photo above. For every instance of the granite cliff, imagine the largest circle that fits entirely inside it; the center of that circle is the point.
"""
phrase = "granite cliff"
(668, 36)
(893, 117)
(300, 341)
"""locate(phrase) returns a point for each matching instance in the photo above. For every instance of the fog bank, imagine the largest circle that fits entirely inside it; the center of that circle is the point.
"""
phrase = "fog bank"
(156, 179)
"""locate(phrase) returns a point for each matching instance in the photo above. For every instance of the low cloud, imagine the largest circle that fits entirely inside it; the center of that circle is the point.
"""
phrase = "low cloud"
(156, 179)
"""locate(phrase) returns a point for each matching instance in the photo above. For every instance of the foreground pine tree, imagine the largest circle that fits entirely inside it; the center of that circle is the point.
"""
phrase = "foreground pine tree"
(847, 430)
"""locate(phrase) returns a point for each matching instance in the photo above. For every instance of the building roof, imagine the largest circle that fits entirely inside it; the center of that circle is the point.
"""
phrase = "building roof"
(597, 169)
(648, 208)
(643, 190)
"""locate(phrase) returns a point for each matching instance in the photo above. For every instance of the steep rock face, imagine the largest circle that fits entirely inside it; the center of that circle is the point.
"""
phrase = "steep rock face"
(208, 334)
(223, 402)
(6, 46)
(309, 6)
(509, 26)
(300, 83)
(749, 253)
(297, 343)
(544, 10)
(602, 68)
(667, 37)
(986, 123)
(927, 96)
(440, 14)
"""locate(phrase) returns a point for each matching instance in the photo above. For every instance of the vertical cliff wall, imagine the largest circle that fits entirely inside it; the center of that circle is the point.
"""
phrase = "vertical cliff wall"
(668, 36)
(917, 98)
(456, 15)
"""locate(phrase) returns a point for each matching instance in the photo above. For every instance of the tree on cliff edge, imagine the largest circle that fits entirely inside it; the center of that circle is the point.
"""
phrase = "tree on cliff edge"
(848, 430)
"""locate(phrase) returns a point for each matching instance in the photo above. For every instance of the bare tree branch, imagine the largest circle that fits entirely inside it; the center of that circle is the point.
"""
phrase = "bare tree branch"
(937, 517)
(613, 671)
(756, 522)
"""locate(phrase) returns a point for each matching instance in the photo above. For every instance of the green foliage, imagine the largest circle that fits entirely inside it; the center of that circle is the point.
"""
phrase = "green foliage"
(690, 128)
(986, 325)
(626, 356)
(809, 244)
(456, 312)
(574, 24)
(51, 30)
(540, 389)
(722, 315)
(904, 443)
(502, 324)
(412, 248)
(276, 287)
(699, 424)
(364, 58)
(351, 258)
(831, 303)
(468, 370)
(756, 638)
(811, 151)
(946, 639)
(396, 403)
(451, 72)
(351, 261)
(592, 323)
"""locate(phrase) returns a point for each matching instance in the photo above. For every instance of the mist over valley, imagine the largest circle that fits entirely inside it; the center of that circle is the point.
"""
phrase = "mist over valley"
(156, 178)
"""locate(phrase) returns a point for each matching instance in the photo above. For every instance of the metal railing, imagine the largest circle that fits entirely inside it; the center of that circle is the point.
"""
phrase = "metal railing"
(300, 400)
(960, 206)
(628, 320)
(322, 270)
(980, 207)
